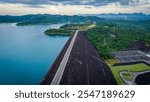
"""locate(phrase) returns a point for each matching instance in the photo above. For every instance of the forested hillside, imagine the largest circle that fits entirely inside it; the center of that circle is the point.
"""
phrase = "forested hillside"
(112, 37)
(46, 19)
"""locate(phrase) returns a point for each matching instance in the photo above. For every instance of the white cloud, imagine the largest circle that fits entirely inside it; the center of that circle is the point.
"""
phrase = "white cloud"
(21, 9)
(133, 2)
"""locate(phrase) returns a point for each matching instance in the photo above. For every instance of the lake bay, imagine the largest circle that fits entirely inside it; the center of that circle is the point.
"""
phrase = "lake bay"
(26, 53)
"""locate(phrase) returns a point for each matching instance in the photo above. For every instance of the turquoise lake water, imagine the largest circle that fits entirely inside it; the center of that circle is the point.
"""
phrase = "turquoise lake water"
(26, 54)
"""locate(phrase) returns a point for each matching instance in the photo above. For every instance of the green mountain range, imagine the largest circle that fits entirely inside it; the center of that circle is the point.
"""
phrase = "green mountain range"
(46, 19)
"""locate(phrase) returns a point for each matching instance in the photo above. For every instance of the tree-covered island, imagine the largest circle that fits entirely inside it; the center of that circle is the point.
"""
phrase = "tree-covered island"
(58, 32)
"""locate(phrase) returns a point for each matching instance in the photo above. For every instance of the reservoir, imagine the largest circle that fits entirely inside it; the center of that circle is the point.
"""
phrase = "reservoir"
(26, 53)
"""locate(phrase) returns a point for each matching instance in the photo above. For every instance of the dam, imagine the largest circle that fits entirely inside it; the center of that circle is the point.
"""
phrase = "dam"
(79, 64)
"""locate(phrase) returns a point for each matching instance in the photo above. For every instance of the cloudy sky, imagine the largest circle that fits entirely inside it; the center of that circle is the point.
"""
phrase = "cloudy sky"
(73, 7)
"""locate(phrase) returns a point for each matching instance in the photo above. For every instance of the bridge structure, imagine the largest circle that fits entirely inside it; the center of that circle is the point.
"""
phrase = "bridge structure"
(79, 64)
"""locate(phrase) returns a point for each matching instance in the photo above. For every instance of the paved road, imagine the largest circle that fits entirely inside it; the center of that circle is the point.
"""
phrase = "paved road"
(61, 68)
(79, 64)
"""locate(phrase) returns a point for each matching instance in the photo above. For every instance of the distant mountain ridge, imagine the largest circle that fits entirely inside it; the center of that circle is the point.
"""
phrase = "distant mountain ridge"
(102, 18)
(46, 18)
(122, 16)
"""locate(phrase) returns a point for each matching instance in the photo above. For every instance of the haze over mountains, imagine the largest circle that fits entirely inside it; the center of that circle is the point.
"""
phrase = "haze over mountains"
(47, 18)
(122, 16)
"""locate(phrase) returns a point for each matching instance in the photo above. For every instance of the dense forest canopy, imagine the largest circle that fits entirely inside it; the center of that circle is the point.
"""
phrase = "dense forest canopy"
(115, 37)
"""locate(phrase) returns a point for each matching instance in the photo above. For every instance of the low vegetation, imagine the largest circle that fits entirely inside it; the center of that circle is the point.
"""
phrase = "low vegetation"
(84, 26)
(127, 76)
(69, 28)
(58, 32)
(129, 68)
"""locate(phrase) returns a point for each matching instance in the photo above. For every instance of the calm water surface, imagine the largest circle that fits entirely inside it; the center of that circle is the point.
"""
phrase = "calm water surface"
(26, 53)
